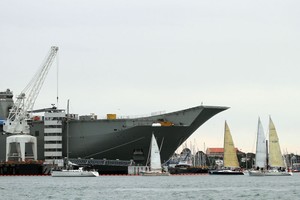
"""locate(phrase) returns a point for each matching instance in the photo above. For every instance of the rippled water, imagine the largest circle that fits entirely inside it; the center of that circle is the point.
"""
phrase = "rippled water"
(139, 187)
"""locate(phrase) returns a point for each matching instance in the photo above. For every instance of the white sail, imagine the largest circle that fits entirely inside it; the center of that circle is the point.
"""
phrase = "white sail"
(261, 147)
(155, 162)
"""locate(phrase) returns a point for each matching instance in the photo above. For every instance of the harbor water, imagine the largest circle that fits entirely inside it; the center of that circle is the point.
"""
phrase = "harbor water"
(139, 187)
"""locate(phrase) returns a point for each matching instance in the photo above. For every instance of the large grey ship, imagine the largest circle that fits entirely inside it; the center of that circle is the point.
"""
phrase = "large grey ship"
(116, 138)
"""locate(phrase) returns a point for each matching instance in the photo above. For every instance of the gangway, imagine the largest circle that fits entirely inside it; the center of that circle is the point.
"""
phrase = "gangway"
(101, 162)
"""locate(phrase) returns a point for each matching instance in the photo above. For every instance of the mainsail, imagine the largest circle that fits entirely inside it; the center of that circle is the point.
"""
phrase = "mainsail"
(230, 157)
(261, 147)
(275, 156)
(155, 162)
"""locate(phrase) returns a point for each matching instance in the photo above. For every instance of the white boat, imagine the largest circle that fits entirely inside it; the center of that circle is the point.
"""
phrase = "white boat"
(272, 163)
(231, 164)
(155, 162)
(74, 173)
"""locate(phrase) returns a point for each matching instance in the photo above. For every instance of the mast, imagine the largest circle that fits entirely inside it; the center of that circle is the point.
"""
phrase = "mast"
(246, 161)
(267, 155)
(68, 130)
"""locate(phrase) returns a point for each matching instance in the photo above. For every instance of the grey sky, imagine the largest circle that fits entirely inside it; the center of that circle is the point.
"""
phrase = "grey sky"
(137, 57)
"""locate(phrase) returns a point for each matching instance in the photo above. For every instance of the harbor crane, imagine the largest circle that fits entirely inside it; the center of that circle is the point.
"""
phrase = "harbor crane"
(17, 123)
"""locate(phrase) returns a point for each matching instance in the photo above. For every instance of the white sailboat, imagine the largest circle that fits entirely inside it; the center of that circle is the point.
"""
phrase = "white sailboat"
(72, 172)
(155, 162)
(231, 163)
(271, 164)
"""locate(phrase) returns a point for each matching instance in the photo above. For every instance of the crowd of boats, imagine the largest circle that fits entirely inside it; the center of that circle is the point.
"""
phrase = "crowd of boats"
(269, 160)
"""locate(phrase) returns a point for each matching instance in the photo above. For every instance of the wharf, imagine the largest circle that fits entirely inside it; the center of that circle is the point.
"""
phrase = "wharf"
(37, 168)
(22, 168)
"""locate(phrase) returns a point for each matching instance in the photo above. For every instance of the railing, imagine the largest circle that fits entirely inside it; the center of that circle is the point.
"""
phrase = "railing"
(135, 116)
(103, 162)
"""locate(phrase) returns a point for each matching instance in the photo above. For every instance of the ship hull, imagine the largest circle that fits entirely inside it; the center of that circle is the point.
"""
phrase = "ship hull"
(125, 139)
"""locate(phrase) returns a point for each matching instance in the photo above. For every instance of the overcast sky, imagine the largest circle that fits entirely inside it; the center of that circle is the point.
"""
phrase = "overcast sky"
(138, 57)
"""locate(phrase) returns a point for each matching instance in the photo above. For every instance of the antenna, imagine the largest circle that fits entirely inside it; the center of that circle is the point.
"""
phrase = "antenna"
(57, 79)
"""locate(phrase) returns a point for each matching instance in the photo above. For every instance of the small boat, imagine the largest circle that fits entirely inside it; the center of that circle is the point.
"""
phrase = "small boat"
(231, 164)
(185, 168)
(272, 163)
(187, 164)
(155, 162)
(74, 173)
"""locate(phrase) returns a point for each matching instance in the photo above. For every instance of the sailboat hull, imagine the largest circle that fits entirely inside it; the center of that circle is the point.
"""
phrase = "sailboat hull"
(149, 173)
(269, 173)
(74, 173)
(256, 173)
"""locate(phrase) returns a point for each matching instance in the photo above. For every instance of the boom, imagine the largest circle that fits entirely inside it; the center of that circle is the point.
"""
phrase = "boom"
(16, 122)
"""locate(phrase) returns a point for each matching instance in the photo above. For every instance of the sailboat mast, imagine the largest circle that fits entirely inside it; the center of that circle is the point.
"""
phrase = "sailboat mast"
(68, 130)
(267, 156)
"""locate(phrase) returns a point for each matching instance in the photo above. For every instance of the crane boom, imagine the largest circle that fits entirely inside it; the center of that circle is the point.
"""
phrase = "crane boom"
(16, 122)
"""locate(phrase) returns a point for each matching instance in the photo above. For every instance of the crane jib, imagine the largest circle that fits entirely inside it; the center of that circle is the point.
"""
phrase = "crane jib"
(18, 117)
